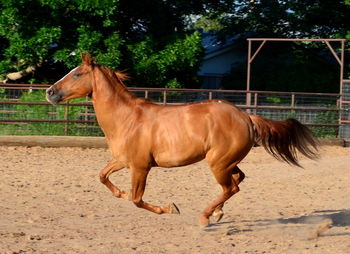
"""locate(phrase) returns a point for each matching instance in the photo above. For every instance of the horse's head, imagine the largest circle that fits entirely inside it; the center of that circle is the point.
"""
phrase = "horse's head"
(77, 83)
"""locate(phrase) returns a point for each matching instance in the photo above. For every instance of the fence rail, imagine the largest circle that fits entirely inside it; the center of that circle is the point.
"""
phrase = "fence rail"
(24, 111)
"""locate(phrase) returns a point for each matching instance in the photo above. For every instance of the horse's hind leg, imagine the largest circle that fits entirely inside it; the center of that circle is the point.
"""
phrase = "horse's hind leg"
(111, 167)
(229, 187)
(139, 177)
(237, 176)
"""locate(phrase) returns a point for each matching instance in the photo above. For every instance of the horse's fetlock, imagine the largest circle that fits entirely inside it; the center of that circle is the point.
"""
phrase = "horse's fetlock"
(138, 202)
(117, 194)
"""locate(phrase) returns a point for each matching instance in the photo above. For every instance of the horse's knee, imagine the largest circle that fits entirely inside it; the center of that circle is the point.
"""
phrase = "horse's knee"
(103, 178)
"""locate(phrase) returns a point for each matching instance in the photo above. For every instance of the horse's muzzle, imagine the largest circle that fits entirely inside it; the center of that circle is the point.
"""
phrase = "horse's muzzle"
(53, 96)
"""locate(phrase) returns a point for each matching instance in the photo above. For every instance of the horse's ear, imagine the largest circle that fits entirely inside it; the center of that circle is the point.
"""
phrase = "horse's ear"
(86, 59)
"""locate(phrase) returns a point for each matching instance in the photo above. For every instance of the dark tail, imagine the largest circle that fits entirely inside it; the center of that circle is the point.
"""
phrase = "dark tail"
(283, 139)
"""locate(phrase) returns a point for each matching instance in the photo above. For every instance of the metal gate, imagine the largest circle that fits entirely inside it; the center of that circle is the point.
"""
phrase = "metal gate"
(344, 129)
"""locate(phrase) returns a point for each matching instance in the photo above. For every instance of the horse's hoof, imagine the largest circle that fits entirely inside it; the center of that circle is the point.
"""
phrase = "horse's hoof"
(203, 222)
(174, 209)
(217, 215)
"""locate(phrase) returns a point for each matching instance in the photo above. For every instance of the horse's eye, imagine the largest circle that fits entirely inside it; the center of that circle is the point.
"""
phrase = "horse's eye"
(77, 75)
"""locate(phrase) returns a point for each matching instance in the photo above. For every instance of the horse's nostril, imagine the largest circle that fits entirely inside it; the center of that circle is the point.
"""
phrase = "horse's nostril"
(50, 92)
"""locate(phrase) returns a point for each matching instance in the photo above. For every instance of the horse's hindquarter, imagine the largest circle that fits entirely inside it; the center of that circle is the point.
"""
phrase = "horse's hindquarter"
(184, 134)
(232, 134)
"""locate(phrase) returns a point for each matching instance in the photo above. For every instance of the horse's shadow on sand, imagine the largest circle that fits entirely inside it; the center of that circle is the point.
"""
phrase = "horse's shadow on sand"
(339, 218)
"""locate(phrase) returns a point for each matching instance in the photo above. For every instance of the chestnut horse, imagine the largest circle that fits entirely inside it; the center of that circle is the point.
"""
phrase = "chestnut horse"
(142, 134)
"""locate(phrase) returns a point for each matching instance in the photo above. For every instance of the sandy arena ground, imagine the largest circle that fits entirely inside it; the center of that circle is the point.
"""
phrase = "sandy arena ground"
(51, 201)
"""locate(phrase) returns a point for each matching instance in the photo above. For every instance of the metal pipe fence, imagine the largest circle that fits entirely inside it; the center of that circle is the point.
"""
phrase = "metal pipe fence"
(24, 110)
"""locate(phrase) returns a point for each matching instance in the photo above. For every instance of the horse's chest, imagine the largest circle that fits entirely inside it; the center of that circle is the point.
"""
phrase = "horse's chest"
(128, 150)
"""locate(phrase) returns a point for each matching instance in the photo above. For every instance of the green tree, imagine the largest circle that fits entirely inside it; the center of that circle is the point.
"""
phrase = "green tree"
(168, 66)
(154, 40)
(280, 18)
(35, 33)
(41, 39)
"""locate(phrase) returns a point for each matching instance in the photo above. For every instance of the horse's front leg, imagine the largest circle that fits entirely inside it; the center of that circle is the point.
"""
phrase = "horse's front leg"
(111, 167)
(139, 177)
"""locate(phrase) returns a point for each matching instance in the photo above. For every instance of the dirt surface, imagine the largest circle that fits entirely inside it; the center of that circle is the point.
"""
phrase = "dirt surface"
(51, 201)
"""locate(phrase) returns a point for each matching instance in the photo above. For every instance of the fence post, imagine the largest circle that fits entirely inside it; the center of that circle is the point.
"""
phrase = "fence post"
(344, 112)
(248, 101)
(86, 108)
(164, 97)
(210, 95)
(66, 112)
(255, 103)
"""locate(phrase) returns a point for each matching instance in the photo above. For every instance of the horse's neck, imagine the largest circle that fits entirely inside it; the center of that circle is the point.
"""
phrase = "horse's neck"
(113, 104)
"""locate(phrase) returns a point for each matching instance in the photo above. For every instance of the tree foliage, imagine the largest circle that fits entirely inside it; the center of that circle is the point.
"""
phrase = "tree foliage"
(173, 61)
(42, 36)
(281, 18)
(154, 40)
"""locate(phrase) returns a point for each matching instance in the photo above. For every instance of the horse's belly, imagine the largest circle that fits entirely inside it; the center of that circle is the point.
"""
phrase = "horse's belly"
(175, 157)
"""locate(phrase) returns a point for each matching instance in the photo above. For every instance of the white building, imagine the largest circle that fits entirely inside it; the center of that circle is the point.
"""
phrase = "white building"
(220, 58)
